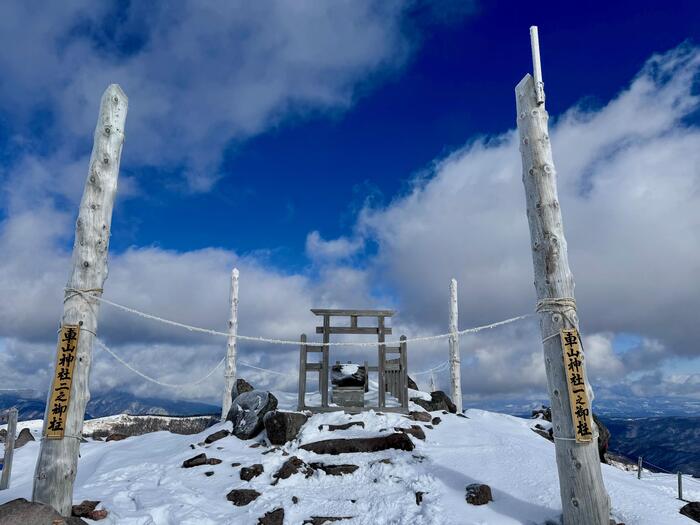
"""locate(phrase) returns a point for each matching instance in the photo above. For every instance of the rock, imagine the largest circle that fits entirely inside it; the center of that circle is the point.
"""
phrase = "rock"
(241, 497)
(270, 451)
(348, 375)
(200, 459)
(462, 416)
(235, 464)
(295, 500)
(247, 412)
(116, 437)
(419, 497)
(292, 466)
(274, 517)
(248, 473)
(282, 427)
(429, 426)
(436, 421)
(24, 437)
(603, 438)
(86, 509)
(398, 441)
(547, 434)
(414, 430)
(691, 510)
(139, 425)
(22, 512)
(411, 383)
(344, 426)
(542, 413)
(3, 435)
(478, 494)
(216, 436)
(320, 520)
(334, 470)
(425, 417)
(213, 461)
(241, 387)
(438, 401)
(209, 473)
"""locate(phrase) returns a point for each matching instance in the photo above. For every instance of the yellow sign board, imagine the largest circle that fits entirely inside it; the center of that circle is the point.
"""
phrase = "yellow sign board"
(576, 379)
(57, 411)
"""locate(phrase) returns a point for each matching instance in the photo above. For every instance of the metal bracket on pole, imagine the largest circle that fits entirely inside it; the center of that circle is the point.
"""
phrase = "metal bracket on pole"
(537, 65)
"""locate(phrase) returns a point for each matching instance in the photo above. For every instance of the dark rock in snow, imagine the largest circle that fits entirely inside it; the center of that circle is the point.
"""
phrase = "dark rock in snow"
(543, 413)
(282, 427)
(419, 497)
(216, 436)
(547, 434)
(116, 437)
(292, 466)
(691, 510)
(335, 470)
(213, 461)
(295, 500)
(200, 459)
(3, 435)
(438, 401)
(248, 473)
(247, 412)
(24, 437)
(429, 426)
(478, 494)
(462, 416)
(274, 517)
(209, 473)
(398, 441)
(414, 430)
(235, 464)
(241, 497)
(348, 375)
(22, 512)
(344, 426)
(420, 416)
(436, 421)
(86, 509)
(241, 387)
(603, 438)
(320, 520)
(411, 383)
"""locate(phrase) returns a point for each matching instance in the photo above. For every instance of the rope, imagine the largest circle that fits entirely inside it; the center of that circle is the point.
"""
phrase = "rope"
(437, 368)
(286, 341)
(595, 436)
(152, 379)
(689, 476)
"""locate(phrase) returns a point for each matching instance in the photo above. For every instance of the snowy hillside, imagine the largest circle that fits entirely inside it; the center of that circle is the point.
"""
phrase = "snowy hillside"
(140, 480)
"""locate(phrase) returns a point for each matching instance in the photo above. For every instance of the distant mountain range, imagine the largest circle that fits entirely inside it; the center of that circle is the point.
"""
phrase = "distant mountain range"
(31, 406)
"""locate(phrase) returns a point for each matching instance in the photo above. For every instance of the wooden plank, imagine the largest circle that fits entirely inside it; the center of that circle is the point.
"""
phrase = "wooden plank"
(392, 349)
(314, 348)
(353, 321)
(9, 449)
(361, 330)
(382, 357)
(323, 379)
(59, 395)
(582, 420)
(356, 410)
(404, 373)
(347, 313)
(314, 367)
(302, 372)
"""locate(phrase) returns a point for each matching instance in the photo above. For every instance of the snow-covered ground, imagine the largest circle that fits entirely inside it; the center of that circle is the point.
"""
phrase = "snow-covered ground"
(140, 479)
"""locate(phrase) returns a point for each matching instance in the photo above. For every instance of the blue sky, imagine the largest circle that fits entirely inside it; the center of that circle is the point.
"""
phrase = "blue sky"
(359, 154)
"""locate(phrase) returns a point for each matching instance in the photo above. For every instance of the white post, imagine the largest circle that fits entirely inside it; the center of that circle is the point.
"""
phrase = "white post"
(230, 373)
(455, 362)
(432, 382)
(9, 449)
(57, 464)
(583, 495)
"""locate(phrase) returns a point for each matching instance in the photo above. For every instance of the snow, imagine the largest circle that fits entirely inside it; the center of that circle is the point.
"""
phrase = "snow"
(141, 482)
(349, 369)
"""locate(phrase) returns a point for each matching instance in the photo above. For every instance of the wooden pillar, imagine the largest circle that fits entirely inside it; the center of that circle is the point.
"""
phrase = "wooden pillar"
(323, 373)
(230, 373)
(57, 463)
(404, 372)
(9, 449)
(381, 379)
(583, 495)
(455, 361)
(302, 372)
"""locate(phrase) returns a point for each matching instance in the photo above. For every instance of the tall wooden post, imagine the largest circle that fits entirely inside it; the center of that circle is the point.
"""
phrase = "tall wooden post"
(583, 495)
(9, 449)
(455, 361)
(230, 373)
(57, 464)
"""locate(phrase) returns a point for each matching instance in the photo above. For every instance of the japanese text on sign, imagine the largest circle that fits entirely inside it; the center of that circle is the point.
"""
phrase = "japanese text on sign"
(575, 378)
(57, 411)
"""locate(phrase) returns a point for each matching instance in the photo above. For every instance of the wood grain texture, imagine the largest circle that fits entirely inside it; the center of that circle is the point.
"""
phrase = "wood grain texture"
(9, 449)
(56, 465)
(231, 347)
(455, 361)
(584, 498)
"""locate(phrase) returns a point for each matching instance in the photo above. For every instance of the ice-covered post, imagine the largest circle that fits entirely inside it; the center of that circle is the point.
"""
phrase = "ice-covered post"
(230, 373)
(583, 495)
(57, 464)
(9, 449)
(455, 363)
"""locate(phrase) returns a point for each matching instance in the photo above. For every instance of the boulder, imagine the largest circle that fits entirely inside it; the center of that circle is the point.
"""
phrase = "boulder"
(24, 437)
(200, 459)
(292, 466)
(691, 510)
(274, 517)
(86, 509)
(348, 375)
(411, 383)
(438, 401)
(436, 421)
(116, 437)
(282, 427)
(22, 512)
(425, 417)
(344, 426)
(247, 412)
(414, 430)
(542, 413)
(419, 497)
(242, 386)
(248, 473)
(542, 431)
(213, 461)
(478, 494)
(3, 435)
(398, 441)
(241, 497)
(216, 436)
(603, 438)
(334, 470)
